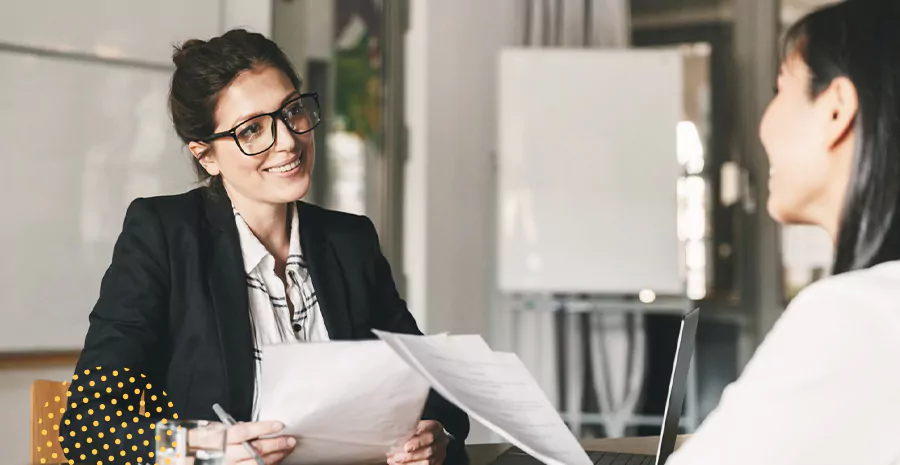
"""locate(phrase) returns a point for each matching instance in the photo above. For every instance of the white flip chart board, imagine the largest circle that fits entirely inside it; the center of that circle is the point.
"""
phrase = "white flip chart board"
(588, 171)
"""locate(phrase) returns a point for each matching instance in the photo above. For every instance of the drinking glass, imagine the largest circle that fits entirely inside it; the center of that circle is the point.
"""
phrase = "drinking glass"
(190, 442)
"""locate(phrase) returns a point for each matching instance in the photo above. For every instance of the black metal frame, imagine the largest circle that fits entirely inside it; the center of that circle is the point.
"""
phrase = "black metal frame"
(275, 115)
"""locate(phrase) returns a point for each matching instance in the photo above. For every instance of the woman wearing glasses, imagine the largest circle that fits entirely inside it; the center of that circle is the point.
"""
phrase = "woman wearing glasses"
(199, 282)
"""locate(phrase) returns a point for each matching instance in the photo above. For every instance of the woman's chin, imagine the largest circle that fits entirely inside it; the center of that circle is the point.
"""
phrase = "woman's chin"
(787, 214)
(298, 193)
(293, 189)
(777, 211)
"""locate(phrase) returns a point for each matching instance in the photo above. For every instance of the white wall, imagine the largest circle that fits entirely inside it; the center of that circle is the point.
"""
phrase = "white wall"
(254, 15)
(452, 54)
(90, 32)
(319, 29)
(452, 79)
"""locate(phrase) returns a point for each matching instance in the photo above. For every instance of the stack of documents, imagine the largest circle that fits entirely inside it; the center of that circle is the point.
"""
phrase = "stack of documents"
(350, 402)
(345, 402)
(495, 389)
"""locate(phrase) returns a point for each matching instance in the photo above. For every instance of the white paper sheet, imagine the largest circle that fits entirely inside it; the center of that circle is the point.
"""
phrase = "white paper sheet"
(345, 402)
(494, 388)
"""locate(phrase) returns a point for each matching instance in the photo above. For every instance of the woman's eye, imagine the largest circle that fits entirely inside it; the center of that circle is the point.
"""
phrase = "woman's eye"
(294, 109)
(249, 131)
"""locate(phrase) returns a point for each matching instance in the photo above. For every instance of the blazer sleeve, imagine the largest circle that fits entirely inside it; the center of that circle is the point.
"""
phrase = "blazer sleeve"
(394, 316)
(126, 334)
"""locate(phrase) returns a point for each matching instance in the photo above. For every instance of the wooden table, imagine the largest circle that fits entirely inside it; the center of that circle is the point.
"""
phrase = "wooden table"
(483, 454)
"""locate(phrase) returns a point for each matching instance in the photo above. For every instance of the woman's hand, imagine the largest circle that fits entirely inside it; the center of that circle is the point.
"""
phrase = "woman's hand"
(272, 450)
(427, 447)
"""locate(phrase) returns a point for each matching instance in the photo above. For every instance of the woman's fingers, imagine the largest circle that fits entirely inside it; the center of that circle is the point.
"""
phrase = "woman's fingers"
(274, 458)
(273, 445)
(431, 452)
(420, 441)
(423, 454)
(247, 431)
(277, 448)
(428, 446)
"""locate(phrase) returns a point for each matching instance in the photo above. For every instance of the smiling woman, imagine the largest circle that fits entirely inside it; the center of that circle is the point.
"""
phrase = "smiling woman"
(822, 387)
(200, 282)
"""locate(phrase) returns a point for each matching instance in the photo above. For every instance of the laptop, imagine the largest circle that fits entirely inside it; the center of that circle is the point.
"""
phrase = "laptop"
(671, 417)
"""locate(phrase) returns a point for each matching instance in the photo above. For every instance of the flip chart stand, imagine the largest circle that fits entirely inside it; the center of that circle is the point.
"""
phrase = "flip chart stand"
(617, 412)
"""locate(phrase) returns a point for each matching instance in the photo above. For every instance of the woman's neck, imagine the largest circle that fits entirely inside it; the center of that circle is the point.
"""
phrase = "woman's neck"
(834, 198)
(267, 221)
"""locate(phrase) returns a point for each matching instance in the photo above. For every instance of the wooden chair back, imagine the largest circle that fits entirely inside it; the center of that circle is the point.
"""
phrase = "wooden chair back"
(48, 403)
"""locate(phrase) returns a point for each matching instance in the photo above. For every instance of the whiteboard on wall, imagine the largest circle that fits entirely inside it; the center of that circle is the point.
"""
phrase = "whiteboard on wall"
(588, 171)
(80, 140)
(83, 131)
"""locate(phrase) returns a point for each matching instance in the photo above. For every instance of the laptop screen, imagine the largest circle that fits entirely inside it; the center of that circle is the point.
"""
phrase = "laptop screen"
(677, 386)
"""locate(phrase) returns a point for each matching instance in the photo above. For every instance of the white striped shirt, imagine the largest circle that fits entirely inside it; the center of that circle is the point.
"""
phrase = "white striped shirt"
(270, 316)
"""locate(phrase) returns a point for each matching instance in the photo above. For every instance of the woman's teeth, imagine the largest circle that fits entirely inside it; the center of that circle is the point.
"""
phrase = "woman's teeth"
(285, 168)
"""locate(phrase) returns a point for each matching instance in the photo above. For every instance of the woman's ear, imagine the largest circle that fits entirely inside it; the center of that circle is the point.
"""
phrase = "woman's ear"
(842, 104)
(202, 151)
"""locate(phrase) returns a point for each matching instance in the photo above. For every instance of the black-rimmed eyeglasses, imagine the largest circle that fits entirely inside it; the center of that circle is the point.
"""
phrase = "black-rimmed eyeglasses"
(257, 134)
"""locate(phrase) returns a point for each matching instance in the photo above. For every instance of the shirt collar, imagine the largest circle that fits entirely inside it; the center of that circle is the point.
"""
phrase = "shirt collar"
(252, 249)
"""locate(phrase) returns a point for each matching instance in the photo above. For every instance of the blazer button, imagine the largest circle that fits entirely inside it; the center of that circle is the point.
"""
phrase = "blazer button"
(297, 328)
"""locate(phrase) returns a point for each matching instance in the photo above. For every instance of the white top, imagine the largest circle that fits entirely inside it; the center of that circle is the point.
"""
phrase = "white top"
(823, 388)
(270, 316)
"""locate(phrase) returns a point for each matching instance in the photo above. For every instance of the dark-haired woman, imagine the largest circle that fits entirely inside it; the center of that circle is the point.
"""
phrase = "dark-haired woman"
(824, 386)
(199, 282)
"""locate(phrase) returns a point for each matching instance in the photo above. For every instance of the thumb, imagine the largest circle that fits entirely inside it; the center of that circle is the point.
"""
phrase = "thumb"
(427, 425)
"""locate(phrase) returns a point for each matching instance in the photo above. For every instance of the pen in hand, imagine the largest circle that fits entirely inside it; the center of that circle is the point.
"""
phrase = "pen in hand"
(229, 421)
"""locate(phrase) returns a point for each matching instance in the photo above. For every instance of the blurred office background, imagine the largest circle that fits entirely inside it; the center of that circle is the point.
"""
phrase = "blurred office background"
(423, 100)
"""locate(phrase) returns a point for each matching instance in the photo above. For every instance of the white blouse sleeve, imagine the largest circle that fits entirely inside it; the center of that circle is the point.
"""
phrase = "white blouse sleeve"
(823, 388)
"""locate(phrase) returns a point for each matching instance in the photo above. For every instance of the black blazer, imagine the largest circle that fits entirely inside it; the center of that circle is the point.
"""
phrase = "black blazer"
(173, 307)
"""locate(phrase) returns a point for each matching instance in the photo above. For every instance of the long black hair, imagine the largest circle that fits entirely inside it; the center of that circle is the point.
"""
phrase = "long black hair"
(860, 40)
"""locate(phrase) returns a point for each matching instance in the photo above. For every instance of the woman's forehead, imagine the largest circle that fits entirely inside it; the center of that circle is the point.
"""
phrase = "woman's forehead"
(258, 90)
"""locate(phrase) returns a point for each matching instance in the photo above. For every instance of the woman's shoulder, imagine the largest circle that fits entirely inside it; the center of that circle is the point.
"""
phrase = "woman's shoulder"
(831, 328)
(169, 210)
(872, 294)
(334, 222)
(879, 280)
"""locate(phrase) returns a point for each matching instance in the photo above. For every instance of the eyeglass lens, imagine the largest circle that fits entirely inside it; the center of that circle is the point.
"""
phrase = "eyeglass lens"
(258, 134)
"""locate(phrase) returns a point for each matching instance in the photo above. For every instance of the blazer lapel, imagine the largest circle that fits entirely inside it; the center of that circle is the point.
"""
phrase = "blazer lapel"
(228, 287)
(325, 271)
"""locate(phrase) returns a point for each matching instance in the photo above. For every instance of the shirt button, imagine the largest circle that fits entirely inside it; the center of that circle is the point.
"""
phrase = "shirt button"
(297, 328)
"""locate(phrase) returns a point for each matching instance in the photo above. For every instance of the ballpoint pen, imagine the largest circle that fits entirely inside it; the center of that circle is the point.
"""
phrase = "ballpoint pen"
(229, 421)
